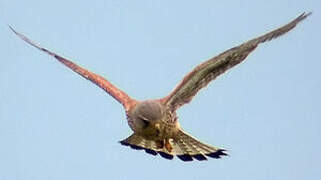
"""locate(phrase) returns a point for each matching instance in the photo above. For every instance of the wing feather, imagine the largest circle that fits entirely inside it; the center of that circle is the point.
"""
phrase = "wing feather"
(101, 82)
(204, 73)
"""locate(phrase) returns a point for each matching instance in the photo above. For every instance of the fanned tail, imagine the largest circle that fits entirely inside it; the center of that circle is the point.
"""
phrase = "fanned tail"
(139, 143)
(184, 146)
(188, 148)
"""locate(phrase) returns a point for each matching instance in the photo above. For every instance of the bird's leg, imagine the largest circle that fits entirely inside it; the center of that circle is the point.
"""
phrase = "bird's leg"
(165, 143)
(168, 145)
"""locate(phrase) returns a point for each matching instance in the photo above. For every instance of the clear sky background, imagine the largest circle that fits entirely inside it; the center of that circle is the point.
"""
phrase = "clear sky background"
(56, 125)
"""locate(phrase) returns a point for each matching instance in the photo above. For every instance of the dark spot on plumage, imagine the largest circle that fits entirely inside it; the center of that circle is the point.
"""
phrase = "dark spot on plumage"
(145, 122)
(199, 157)
(213, 155)
(43, 49)
(152, 152)
(136, 147)
(217, 154)
(165, 155)
(131, 145)
(159, 144)
(124, 143)
(185, 157)
(149, 151)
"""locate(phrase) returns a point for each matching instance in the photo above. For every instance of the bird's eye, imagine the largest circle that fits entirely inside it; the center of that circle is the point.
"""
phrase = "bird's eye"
(145, 122)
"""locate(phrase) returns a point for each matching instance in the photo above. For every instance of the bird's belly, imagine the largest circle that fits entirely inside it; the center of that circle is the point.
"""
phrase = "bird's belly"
(159, 131)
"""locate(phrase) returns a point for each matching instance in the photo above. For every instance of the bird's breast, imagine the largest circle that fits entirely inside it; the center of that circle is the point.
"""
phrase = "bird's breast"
(159, 130)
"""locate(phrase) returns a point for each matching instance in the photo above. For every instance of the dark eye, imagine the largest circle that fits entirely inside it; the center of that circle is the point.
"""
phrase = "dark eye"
(145, 122)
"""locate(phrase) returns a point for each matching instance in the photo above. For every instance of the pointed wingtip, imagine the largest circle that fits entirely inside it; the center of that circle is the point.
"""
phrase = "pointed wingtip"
(308, 14)
(304, 15)
(12, 29)
(30, 42)
(23, 37)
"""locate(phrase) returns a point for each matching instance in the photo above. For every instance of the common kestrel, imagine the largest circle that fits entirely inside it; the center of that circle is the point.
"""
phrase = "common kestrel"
(154, 122)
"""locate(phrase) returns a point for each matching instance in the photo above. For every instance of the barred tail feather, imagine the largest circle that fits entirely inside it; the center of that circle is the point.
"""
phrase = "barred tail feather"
(188, 148)
(139, 143)
(184, 146)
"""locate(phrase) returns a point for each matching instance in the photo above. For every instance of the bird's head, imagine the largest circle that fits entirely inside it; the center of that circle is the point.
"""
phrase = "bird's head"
(145, 113)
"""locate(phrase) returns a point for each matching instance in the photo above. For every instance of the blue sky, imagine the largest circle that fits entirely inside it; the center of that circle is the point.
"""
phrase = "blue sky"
(56, 125)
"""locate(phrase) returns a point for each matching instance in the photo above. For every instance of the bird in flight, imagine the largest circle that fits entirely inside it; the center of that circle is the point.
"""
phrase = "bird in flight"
(154, 122)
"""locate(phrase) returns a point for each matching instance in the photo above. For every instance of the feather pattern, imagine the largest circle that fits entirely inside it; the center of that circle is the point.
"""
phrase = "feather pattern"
(101, 82)
(154, 122)
(209, 70)
(185, 147)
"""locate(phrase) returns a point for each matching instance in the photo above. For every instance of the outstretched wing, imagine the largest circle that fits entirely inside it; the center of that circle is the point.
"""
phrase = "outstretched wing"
(116, 93)
(209, 70)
